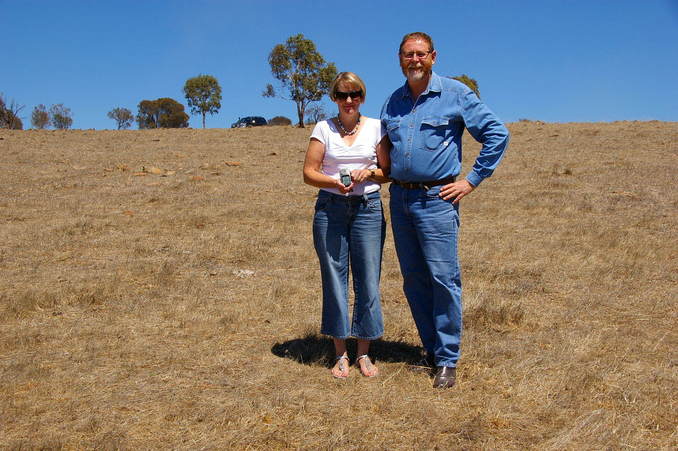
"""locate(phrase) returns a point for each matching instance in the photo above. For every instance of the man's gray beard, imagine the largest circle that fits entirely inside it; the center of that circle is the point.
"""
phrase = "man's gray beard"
(416, 74)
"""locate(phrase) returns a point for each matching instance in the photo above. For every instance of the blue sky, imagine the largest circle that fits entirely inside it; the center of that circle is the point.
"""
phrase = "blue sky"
(550, 60)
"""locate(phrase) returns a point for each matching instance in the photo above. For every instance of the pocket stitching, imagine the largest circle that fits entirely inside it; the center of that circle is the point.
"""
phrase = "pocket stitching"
(434, 124)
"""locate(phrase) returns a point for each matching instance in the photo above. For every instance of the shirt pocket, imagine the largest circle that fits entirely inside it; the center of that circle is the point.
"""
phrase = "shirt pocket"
(393, 130)
(435, 132)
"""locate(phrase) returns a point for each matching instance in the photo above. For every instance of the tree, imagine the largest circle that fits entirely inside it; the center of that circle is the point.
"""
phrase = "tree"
(302, 72)
(203, 95)
(40, 117)
(9, 114)
(470, 82)
(61, 117)
(316, 113)
(122, 117)
(280, 120)
(161, 113)
(148, 114)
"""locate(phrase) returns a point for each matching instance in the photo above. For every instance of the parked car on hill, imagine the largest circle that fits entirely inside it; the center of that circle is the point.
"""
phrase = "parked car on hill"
(249, 121)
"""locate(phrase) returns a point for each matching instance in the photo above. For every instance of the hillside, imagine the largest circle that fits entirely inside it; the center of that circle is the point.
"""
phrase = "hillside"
(160, 290)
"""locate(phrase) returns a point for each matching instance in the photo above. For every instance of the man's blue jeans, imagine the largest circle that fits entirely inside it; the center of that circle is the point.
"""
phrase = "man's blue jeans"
(425, 230)
(350, 231)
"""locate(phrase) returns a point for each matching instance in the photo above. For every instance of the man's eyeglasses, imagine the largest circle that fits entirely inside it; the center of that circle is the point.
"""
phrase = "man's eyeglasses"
(418, 55)
(345, 95)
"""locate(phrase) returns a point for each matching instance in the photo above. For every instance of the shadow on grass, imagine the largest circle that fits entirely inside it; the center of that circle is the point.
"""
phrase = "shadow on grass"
(314, 349)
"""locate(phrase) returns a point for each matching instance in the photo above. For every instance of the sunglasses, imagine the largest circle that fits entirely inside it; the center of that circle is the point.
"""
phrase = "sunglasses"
(345, 95)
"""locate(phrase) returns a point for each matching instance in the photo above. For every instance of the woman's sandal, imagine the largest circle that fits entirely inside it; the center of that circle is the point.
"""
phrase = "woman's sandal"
(369, 367)
(342, 366)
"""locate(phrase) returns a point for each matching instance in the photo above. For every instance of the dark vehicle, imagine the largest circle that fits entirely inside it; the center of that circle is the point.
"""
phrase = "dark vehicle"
(249, 121)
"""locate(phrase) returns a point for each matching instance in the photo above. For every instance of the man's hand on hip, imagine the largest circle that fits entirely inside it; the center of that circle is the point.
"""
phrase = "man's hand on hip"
(456, 190)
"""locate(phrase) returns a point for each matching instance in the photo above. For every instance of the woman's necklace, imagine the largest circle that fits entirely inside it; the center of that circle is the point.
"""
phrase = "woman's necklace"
(343, 129)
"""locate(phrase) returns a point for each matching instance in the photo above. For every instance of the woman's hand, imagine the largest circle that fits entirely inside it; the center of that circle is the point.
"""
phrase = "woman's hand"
(360, 175)
(344, 189)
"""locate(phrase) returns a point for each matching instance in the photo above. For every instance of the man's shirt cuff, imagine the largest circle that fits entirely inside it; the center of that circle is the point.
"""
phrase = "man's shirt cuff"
(474, 179)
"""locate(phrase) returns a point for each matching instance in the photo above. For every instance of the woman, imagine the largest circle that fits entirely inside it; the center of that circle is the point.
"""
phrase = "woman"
(349, 225)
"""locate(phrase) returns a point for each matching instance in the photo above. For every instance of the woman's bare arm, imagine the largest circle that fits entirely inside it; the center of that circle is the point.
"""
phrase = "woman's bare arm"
(312, 164)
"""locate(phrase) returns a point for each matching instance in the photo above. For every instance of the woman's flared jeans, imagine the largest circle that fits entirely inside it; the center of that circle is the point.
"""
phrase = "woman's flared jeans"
(350, 231)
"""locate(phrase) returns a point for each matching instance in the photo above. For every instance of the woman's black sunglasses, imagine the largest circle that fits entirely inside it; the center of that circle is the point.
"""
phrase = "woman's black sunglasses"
(345, 95)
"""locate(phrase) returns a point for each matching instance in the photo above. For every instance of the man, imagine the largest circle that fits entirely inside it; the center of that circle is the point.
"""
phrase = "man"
(425, 120)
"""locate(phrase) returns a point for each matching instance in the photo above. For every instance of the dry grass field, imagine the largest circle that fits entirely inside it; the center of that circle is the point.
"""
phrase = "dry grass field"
(160, 290)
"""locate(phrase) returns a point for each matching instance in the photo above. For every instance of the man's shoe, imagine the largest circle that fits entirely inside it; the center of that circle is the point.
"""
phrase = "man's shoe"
(445, 377)
(425, 365)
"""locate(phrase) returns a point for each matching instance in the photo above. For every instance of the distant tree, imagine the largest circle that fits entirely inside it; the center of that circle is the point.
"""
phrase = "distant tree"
(172, 114)
(316, 113)
(122, 117)
(9, 114)
(470, 82)
(40, 117)
(301, 71)
(17, 123)
(203, 95)
(161, 113)
(61, 117)
(148, 114)
(280, 120)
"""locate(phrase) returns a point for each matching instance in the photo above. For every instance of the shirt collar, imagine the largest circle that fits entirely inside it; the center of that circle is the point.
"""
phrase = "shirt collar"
(434, 84)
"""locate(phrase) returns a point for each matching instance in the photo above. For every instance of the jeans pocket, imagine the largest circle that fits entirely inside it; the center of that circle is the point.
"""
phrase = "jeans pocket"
(374, 205)
(433, 195)
(321, 204)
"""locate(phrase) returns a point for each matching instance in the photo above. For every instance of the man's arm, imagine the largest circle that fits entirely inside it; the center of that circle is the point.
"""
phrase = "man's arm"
(487, 129)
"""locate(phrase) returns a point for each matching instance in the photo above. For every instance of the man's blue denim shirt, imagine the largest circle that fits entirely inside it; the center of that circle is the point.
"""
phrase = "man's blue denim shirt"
(426, 136)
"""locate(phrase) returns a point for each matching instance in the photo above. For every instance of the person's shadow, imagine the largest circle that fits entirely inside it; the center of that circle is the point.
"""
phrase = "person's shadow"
(314, 349)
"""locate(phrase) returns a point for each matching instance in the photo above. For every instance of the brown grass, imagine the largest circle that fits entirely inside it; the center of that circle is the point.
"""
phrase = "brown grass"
(129, 320)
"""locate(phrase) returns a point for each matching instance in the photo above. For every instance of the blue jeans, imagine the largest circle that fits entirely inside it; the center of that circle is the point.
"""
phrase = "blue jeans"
(350, 230)
(425, 231)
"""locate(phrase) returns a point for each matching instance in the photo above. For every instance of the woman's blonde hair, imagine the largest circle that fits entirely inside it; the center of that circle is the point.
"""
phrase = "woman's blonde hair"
(347, 78)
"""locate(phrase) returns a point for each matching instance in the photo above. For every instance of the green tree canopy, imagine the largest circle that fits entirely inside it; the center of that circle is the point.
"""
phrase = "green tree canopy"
(161, 113)
(203, 95)
(301, 71)
(470, 82)
(60, 116)
(122, 117)
(40, 117)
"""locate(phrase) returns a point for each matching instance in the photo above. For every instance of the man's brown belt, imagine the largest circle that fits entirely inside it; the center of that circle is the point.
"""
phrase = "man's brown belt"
(423, 185)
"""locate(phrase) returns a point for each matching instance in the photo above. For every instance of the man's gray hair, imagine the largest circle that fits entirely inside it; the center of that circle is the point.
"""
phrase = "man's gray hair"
(417, 35)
